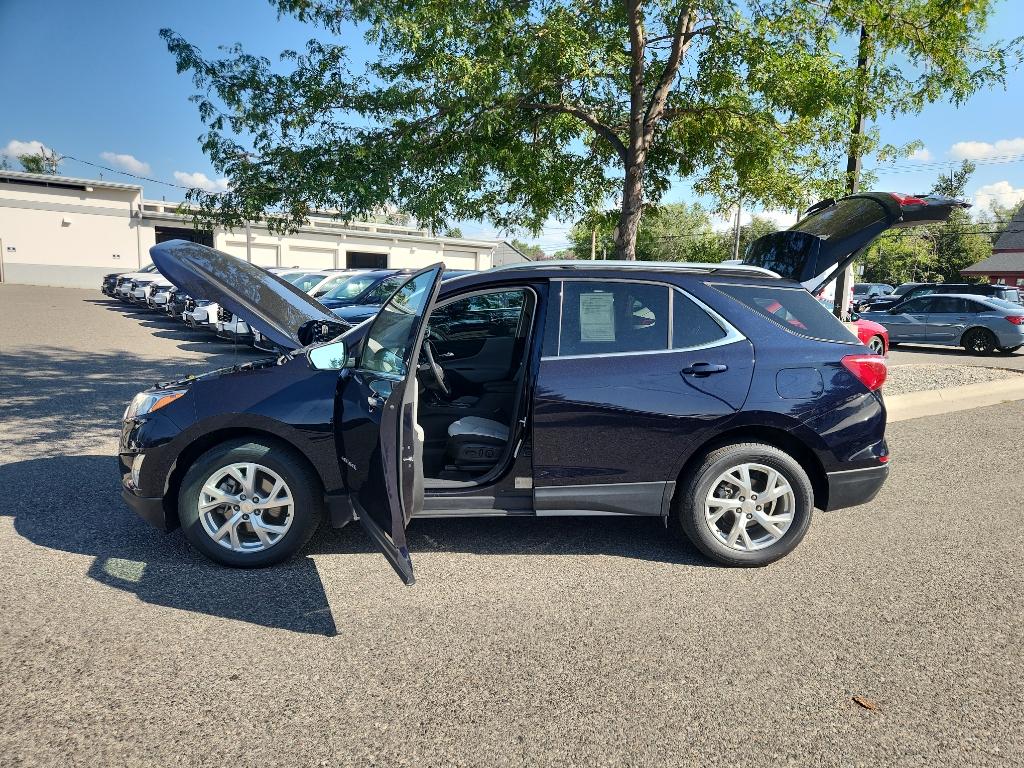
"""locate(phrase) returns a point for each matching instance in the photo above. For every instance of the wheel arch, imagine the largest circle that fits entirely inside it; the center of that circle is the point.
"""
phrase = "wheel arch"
(967, 332)
(204, 442)
(779, 438)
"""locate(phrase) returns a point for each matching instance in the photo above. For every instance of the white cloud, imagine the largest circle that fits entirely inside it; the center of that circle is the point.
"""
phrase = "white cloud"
(1001, 193)
(201, 181)
(979, 150)
(15, 148)
(921, 155)
(125, 162)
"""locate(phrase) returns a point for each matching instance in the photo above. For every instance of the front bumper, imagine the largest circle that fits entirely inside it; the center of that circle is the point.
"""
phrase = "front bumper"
(149, 509)
(852, 487)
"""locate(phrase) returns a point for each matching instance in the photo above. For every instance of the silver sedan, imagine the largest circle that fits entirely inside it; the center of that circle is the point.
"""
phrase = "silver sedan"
(979, 324)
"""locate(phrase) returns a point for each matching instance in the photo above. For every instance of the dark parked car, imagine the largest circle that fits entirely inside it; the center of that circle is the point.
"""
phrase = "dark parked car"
(725, 400)
(979, 324)
(863, 293)
(1004, 292)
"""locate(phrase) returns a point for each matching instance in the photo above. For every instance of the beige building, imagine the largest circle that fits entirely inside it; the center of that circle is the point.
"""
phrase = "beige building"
(56, 230)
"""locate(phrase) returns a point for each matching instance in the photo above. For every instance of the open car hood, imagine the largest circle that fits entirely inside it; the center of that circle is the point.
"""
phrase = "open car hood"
(833, 233)
(276, 308)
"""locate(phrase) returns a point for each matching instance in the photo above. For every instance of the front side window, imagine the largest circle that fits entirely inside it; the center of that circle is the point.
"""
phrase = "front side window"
(484, 316)
(389, 341)
(916, 306)
(948, 305)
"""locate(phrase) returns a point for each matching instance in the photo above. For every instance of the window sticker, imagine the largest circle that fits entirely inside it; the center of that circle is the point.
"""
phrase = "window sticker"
(597, 317)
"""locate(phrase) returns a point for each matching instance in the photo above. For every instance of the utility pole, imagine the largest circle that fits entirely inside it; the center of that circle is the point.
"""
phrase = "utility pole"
(248, 242)
(841, 308)
(736, 232)
(593, 243)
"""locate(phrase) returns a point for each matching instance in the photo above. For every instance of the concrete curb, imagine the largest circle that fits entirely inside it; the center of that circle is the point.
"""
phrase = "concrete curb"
(932, 402)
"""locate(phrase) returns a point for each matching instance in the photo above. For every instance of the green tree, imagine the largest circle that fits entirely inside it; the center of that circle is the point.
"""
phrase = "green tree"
(518, 111)
(43, 161)
(936, 252)
(532, 251)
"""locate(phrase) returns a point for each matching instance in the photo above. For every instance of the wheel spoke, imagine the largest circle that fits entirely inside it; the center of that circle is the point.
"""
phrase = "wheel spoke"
(260, 525)
(738, 525)
(776, 492)
(746, 538)
(230, 526)
(217, 497)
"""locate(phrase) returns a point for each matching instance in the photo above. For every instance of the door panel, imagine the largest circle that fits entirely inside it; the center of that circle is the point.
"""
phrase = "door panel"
(947, 319)
(378, 442)
(627, 419)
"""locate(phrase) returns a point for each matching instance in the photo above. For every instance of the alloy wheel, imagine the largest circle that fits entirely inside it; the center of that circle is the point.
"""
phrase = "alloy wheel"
(750, 507)
(246, 507)
(876, 345)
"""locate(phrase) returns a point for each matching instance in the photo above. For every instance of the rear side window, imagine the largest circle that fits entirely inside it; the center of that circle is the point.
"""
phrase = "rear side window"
(792, 308)
(610, 317)
(691, 325)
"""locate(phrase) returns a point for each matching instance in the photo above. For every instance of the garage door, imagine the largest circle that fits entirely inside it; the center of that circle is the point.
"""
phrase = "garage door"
(263, 255)
(314, 258)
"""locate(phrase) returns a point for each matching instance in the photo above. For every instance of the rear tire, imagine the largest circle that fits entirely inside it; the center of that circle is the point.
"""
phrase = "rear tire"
(979, 341)
(245, 530)
(876, 345)
(708, 509)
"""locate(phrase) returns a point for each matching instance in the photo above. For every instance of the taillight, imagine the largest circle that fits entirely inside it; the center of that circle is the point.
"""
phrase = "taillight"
(870, 370)
(908, 199)
(1016, 319)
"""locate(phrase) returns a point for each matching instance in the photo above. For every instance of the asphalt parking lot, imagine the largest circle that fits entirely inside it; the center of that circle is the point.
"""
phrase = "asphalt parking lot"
(542, 642)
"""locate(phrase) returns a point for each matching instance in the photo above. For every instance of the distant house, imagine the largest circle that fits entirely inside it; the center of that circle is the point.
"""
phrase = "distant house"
(506, 253)
(1006, 264)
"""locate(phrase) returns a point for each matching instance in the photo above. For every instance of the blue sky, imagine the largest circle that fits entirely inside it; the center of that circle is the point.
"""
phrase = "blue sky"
(94, 81)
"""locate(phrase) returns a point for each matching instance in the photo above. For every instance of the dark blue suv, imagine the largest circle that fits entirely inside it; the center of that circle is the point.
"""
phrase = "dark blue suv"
(724, 399)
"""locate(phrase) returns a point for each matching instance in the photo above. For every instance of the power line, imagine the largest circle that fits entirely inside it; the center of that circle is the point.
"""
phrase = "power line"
(123, 173)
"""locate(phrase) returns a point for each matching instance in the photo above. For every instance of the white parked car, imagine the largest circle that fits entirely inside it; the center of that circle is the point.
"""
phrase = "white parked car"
(157, 292)
(200, 313)
(125, 283)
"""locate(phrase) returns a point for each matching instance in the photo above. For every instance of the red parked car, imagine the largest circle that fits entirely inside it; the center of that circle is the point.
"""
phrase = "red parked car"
(872, 335)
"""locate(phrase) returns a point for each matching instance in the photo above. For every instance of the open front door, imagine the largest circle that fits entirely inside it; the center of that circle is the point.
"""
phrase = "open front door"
(378, 440)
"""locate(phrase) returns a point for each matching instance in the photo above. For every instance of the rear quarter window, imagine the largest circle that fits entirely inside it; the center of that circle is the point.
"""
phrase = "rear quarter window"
(794, 309)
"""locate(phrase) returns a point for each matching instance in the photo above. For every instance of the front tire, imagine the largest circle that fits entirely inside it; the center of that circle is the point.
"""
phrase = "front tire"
(979, 341)
(747, 504)
(249, 504)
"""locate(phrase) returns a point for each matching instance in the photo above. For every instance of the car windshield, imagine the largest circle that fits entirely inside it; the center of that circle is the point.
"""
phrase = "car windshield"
(904, 288)
(350, 288)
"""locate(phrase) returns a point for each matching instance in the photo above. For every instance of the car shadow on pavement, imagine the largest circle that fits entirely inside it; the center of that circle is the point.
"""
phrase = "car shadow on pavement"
(72, 504)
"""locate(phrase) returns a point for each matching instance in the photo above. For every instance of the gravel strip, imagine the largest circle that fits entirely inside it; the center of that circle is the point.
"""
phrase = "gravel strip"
(918, 378)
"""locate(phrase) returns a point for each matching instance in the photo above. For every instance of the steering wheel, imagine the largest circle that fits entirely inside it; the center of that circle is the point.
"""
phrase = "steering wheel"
(436, 370)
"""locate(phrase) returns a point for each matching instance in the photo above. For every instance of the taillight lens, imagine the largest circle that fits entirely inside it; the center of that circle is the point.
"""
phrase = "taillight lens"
(908, 199)
(1016, 319)
(870, 370)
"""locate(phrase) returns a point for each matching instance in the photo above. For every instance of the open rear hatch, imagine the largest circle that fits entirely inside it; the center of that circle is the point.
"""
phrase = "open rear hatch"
(277, 309)
(833, 233)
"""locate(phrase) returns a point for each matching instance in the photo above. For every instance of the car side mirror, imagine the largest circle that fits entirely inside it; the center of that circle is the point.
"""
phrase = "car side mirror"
(854, 317)
(328, 357)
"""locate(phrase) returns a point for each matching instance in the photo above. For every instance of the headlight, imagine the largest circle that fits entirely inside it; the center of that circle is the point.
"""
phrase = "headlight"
(147, 402)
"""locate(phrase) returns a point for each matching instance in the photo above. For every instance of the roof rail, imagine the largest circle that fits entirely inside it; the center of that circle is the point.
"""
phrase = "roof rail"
(667, 266)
